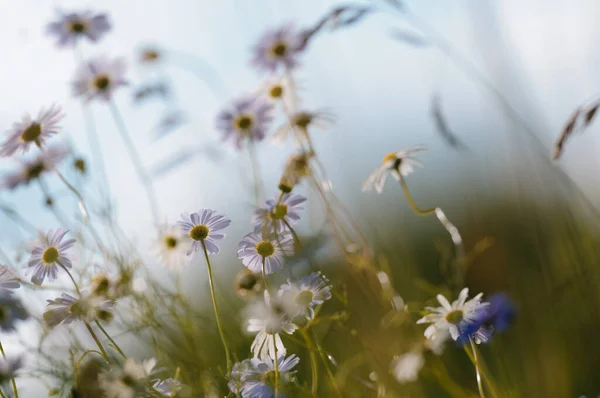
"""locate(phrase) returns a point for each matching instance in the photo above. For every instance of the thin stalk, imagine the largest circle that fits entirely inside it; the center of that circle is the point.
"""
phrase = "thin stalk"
(411, 201)
(329, 372)
(57, 214)
(314, 363)
(12, 380)
(115, 345)
(294, 234)
(276, 368)
(214, 301)
(70, 276)
(137, 161)
(96, 339)
(473, 356)
(264, 275)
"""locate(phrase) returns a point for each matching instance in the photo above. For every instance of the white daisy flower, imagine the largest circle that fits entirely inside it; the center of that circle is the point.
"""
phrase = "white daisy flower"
(173, 247)
(399, 164)
(268, 319)
(307, 293)
(450, 317)
(130, 382)
(406, 367)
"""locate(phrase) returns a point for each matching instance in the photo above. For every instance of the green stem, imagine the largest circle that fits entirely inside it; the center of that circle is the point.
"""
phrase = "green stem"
(113, 342)
(314, 364)
(13, 381)
(276, 368)
(294, 234)
(98, 343)
(70, 276)
(264, 275)
(214, 301)
(329, 372)
(477, 372)
(410, 200)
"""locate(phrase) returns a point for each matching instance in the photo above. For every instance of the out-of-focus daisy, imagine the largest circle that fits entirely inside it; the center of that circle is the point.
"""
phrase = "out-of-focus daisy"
(101, 285)
(49, 254)
(99, 78)
(239, 373)
(452, 317)
(150, 55)
(247, 118)
(256, 249)
(173, 246)
(296, 167)
(203, 228)
(248, 284)
(299, 123)
(496, 317)
(406, 367)
(70, 27)
(30, 170)
(168, 387)
(268, 318)
(307, 293)
(277, 216)
(260, 376)
(11, 311)
(437, 343)
(280, 89)
(130, 382)
(399, 164)
(8, 279)
(277, 48)
(9, 368)
(32, 131)
(66, 309)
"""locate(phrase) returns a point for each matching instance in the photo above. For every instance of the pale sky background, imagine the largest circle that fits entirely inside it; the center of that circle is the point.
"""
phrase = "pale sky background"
(544, 55)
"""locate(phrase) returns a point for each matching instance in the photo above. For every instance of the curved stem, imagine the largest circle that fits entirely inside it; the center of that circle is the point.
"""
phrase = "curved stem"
(294, 234)
(473, 356)
(137, 161)
(411, 201)
(314, 364)
(214, 301)
(115, 345)
(70, 276)
(97, 340)
(84, 212)
(13, 381)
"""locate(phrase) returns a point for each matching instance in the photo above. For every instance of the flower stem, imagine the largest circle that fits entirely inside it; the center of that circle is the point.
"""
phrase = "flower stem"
(264, 275)
(411, 201)
(214, 301)
(276, 368)
(98, 343)
(137, 161)
(329, 372)
(12, 380)
(473, 356)
(314, 364)
(113, 342)
(70, 276)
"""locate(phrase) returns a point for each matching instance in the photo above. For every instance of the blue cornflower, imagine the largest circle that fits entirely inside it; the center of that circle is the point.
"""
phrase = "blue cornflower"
(11, 310)
(247, 118)
(202, 228)
(497, 316)
(278, 216)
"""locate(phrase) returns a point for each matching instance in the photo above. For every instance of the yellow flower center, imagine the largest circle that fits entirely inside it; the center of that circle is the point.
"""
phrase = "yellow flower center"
(269, 377)
(80, 165)
(102, 82)
(265, 248)
(304, 298)
(32, 133)
(454, 317)
(389, 157)
(302, 120)
(34, 170)
(171, 242)
(50, 255)
(199, 232)
(278, 212)
(276, 91)
(244, 122)
(279, 49)
(150, 55)
(78, 27)
(247, 281)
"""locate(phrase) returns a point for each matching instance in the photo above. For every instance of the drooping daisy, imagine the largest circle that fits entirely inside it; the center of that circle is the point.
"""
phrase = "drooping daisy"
(11, 311)
(247, 118)
(299, 123)
(277, 216)
(203, 228)
(49, 254)
(256, 250)
(248, 284)
(30, 170)
(277, 48)
(307, 293)
(168, 387)
(9, 368)
(130, 382)
(496, 317)
(66, 309)
(32, 131)
(397, 163)
(268, 318)
(99, 78)
(452, 317)
(8, 279)
(172, 246)
(296, 168)
(260, 377)
(70, 27)
(406, 367)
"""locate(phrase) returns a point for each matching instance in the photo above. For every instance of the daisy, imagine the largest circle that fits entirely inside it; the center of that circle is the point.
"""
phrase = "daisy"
(130, 382)
(261, 375)
(11, 310)
(32, 131)
(70, 27)
(172, 246)
(30, 170)
(202, 228)
(247, 118)
(452, 317)
(299, 123)
(150, 55)
(248, 284)
(307, 293)
(239, 373)
(8, 369)
(168, 387)
(277, 48)
(66, 309)
(278, 216)
(399, 164)
(296, 168)
(268, 318)
(99, 78)
(258, 252)
(8, 279)
(49, 254)
(406, 367)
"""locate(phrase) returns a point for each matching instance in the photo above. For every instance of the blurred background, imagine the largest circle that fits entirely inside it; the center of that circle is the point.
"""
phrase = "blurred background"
(507, 76)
